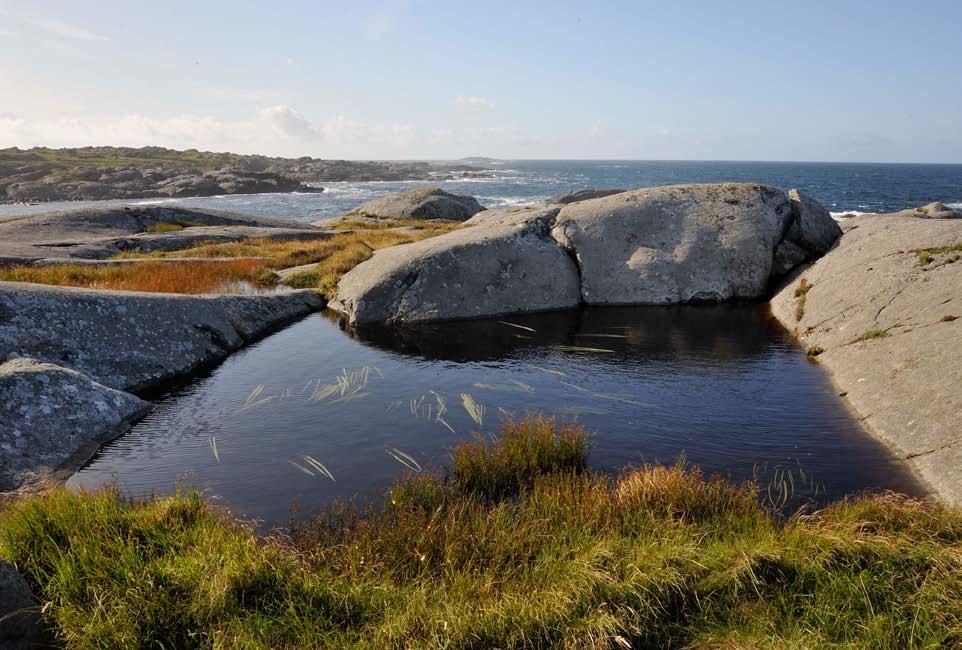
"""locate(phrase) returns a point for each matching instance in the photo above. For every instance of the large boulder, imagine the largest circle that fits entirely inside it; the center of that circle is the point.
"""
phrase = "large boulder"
(507, 264)
(19, 612)
(934, 210)
(577, 196)
(52, 419)
(883, 313)
(676, 244)
(812, 227)
(130, 340)
(420, 203)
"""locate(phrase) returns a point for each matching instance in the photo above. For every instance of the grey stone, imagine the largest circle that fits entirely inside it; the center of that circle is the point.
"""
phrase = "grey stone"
(132, 341)
(675, 244)
(812, 227)
(19, 612)
(788, 255)
(104, 232)
(53, 419)
(507, 265)
(934, 210)
(420, 203)
(576, 196)
(904, 385)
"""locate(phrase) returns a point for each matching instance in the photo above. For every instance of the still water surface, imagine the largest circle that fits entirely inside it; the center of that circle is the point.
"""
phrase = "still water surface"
(723, 385)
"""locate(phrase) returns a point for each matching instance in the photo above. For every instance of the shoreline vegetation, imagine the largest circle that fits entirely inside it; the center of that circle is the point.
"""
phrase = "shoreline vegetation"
(517, 544)
(219, 267)
(42, 174)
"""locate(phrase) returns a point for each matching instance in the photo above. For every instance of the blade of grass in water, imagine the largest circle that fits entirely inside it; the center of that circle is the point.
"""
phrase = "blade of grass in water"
(302, 468)
(475, 409)
(578, 348)
(520, 327)
(405, 459)
(347, 398)
(547, 370)
(213, 448)
(604, 336)
(316, 464)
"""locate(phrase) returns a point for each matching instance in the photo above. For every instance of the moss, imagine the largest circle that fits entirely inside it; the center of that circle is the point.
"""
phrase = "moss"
(814, 350)
(801, 295)
(928, 255)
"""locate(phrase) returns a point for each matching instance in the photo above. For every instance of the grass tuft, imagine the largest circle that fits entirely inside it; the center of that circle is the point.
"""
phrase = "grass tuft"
(801, 293)
(658, 557)
(868, 335)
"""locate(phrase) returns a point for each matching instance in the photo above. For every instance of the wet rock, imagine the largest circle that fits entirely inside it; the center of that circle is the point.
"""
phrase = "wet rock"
(52, 419)
(428, 203)
(508, 264)
(675, 244)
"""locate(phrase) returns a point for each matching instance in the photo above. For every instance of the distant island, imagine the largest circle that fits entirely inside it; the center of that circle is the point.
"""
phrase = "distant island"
(97, 173)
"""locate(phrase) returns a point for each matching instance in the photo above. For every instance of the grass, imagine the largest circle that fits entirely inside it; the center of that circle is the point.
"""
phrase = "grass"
(801, 293)
(814, 350)
(521, 547)
(335, 256)
(927, 255)
(187, 277)
(868, 335)
(174, 226)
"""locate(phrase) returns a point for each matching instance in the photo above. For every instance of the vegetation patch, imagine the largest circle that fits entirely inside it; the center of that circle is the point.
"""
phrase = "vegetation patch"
(174, 226)
(180, 277)
(814, 350)
(868, 335)
(521, 547)
(801, 293)
(334, 257)
(928, 255)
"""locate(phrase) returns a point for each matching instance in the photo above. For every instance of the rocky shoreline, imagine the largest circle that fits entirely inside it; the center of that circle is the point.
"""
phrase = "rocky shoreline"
(100, 173)
(691, 243)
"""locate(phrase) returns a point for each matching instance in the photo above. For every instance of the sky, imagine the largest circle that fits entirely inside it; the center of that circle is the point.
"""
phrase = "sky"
(843, 80)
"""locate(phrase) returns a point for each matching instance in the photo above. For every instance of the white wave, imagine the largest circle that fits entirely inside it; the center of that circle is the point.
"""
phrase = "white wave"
(844, 214)
(954, 206)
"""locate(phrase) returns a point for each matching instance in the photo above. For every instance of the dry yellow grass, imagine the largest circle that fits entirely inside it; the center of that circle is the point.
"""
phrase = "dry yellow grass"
(334, 256)
(187, 277)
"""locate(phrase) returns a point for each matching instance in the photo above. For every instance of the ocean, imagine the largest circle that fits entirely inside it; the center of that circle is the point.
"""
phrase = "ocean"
(841, 187)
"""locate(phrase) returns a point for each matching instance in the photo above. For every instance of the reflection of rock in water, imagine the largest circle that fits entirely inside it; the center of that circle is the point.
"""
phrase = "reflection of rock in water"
(725, 332)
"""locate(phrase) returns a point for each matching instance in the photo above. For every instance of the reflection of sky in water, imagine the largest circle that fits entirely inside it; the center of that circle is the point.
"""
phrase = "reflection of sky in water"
(722, 385)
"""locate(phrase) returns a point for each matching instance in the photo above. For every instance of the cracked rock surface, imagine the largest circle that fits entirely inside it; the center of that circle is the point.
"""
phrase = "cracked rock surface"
(885, 305)
(131, 340)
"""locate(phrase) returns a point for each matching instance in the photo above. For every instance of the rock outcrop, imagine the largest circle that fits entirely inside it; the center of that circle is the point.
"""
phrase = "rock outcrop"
(132, 341)
(52, 419)
(420, 203)
(507, 264)
(675, 244)
(883, 313)
(19, 612)
(934, 210)
(104, 232)
(664, 245)
(576, 196)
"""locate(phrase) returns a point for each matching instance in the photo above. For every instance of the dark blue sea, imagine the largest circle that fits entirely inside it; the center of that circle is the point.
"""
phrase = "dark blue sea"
(841, 187)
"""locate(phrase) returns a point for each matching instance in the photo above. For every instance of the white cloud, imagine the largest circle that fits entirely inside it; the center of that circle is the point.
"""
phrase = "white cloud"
(50, 26)
(289, 123)
(379, 25)
(473, 103)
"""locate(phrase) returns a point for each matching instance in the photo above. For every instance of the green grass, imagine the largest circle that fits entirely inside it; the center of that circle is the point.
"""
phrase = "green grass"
(801, 293)
(928, 255)
(814, 350)
(534, 551)
(868, 335)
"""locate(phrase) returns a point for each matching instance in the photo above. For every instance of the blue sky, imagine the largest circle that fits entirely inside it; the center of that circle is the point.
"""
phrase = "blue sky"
(832, 81)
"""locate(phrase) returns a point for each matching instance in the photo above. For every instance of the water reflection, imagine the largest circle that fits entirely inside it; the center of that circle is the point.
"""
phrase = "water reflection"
(317, 412)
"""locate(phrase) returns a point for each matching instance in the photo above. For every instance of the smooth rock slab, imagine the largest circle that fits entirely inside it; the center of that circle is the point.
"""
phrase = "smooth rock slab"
(53, 419)
(506, 264)
(675, 244)
(420, 204)
(130, 340)
(577, 196)
(906, 385)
